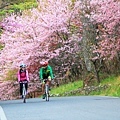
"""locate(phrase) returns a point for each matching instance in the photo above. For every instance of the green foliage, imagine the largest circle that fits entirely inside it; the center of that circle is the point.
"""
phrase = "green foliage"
(67, 87)
(2, 12)
(73, 1)
(11, 75)
(1, 46)
(21, 6)
(18, 6)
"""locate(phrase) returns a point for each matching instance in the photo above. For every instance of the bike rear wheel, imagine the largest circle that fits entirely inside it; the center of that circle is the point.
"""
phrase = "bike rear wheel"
(47, 92)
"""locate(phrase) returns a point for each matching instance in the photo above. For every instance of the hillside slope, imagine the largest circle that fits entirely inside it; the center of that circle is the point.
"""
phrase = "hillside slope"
(108, 87)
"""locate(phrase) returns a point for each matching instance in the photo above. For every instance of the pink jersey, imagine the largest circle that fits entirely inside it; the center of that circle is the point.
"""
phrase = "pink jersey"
(23, 76)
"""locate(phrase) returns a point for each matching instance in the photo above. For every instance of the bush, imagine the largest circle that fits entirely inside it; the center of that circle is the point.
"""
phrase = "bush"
(1, 46)
(11, 75)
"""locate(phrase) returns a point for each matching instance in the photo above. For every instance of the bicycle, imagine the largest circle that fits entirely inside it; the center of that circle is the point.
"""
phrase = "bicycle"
(24, 92)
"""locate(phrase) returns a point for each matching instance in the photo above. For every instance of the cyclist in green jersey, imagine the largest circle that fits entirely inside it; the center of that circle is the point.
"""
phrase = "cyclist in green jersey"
(45, 72)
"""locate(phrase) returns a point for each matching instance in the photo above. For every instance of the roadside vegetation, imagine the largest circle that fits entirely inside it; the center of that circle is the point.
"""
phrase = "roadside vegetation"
(67, 87)
(15, 6)
(1, 46)
(112, 81)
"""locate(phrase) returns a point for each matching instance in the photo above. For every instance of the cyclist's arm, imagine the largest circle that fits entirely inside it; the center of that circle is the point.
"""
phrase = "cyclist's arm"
(18, 76)
(27, 76)
(51, 72)
(41, 73)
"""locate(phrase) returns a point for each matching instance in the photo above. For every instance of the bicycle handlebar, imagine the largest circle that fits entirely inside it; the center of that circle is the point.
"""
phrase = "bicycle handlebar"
(23, 82)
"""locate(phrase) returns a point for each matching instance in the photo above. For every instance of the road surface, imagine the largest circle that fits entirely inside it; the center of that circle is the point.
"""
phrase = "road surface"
(62, 108)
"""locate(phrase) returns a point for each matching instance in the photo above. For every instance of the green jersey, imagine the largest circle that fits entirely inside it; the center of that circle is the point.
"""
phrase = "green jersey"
(45, 72)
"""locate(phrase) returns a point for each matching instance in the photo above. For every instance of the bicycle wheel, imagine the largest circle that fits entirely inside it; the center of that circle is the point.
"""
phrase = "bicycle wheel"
(24, 94)
(47, 92)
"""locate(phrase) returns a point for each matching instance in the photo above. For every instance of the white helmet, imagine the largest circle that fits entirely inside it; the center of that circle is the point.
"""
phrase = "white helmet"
(22, 65)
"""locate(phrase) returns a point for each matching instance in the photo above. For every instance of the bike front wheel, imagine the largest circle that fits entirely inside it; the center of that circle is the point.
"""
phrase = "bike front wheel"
(24, 94)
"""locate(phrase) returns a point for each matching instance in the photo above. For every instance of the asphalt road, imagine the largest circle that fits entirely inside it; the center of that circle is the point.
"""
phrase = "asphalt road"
(62, 108)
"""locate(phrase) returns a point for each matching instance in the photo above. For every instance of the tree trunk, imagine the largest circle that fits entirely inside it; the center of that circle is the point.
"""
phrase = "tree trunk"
(96, 72)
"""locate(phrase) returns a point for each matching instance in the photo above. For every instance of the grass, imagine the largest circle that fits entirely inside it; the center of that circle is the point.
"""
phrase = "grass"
(112, 81)
(114, 90)
(67, 87)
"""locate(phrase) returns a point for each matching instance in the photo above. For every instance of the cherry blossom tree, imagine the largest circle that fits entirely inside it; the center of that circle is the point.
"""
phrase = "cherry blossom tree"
(27, 37)
(35, 34)
(107, 17)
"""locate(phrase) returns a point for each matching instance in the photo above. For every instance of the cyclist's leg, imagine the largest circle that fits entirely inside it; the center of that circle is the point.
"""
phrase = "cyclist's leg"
(21, 86)
(43, 87)
(26, 86)
(43, 90)
(21, 92)
(49, 81)
(49, 84)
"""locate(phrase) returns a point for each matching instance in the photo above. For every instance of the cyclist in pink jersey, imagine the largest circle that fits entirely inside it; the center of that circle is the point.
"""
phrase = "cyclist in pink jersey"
(23, 76)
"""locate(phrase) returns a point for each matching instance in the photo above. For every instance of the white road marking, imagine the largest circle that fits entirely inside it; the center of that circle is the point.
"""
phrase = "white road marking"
(2, 114)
